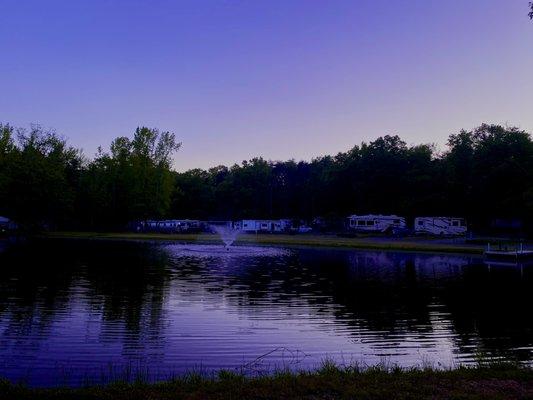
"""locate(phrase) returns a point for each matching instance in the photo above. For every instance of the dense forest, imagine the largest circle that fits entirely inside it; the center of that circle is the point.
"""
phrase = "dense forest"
(483, 174)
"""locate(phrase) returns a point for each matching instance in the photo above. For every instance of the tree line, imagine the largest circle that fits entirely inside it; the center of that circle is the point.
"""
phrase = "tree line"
(482, 174)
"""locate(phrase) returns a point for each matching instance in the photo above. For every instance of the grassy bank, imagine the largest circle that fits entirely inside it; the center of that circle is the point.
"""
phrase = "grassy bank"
(376, 243)
(330, 382)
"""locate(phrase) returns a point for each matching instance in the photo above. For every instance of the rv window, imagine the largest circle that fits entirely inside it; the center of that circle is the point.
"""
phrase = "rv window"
(396, 221)
(360, 222)
(420, 222)
(370, 222)
(455, 223)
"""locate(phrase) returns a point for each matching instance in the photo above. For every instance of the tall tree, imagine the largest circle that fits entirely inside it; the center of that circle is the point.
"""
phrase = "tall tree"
(134, 181)
(41, 178)
(6, 152)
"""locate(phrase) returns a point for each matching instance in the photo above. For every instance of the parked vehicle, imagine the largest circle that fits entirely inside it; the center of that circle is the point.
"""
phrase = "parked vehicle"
(443, 226)
(169, 226)
(375, 223)
(266, 225)
(7, 225)
(304, 229)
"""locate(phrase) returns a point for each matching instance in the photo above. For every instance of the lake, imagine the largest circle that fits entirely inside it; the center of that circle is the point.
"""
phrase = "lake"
(77, 312)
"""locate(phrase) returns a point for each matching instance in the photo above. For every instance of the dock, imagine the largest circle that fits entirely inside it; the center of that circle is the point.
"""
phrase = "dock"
(504, 253)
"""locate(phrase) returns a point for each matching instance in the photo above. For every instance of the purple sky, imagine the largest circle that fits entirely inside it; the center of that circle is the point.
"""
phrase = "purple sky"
(282, 79)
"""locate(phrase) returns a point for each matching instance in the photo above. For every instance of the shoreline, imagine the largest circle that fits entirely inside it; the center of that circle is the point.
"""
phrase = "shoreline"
(412, 244)
(487, 381)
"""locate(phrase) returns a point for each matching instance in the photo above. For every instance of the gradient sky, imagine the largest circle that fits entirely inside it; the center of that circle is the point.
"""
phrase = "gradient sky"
(281, 79)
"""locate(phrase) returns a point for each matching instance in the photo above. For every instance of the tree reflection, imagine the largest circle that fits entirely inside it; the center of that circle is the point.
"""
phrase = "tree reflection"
(127, 287)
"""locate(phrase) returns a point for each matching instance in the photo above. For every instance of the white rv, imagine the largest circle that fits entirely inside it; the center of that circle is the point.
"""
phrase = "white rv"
(375, 223)
(171, 225)
(444, 226)
(6, 224)
(265, 225)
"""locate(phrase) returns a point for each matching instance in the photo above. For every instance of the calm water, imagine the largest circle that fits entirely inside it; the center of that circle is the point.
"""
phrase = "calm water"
(73, 312)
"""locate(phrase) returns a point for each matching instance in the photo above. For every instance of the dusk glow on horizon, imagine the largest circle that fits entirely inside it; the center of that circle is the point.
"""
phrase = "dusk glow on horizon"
(278, 79)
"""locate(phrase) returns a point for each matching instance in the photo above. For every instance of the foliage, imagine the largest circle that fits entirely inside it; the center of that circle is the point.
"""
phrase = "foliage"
(132, 182)
(46, 184)
(483, 174)
(38, 176)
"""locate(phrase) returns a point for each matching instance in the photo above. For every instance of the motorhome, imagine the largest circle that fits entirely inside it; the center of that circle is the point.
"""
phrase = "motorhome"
(265, 225)
(375, 223)
(443, 226)
(6, 225)
(170, 225)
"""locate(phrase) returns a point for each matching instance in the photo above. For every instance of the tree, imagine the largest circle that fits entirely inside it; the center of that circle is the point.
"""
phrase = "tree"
(490, 170)
(485, 173)
(6, 152)
(531, 12)
(40, 177)
(132, 182)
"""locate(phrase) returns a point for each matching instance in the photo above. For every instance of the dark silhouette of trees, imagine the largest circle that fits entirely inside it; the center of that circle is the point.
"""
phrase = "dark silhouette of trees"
(131, 182)
(483, 174)
(38, 176)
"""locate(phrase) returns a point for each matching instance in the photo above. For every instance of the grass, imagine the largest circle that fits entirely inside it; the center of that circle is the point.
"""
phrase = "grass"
(498, 381)
(403, 244)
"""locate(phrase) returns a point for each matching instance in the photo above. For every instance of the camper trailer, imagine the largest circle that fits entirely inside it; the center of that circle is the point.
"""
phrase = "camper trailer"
(375, 223)
(443, 226)
(170, 226)
(6, 225)
(265, 225)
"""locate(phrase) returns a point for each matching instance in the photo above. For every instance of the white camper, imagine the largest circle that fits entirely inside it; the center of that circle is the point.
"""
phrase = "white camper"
(375, 223)
(265, 225)
(170, 225)
(6, 224)
(443, 226)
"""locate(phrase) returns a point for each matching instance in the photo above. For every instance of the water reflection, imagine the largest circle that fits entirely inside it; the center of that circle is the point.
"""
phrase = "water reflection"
(72, 311)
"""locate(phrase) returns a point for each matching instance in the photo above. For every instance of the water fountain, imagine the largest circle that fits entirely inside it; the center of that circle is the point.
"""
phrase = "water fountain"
(227, 233)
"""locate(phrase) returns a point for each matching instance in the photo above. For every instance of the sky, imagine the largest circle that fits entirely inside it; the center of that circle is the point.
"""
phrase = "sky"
(281, 79)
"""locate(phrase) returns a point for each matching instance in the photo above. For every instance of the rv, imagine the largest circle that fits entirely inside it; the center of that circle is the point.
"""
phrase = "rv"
(265, 225)
(5, 224)
(170, 225)
(375, 223)
(443, 226)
